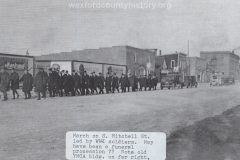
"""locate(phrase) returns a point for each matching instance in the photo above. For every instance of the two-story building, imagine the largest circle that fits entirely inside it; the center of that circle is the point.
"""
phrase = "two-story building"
(175, 63)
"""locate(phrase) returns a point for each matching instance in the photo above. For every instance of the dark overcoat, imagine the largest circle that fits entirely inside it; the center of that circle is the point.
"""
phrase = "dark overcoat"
(5, 82)
(27, 80)
(40, 82)
(14, 77)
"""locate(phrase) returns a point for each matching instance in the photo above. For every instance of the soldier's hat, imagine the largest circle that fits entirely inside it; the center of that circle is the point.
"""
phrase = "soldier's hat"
(114, 73)
(99, 73)
(93, 72)
(63, 71)
(73, 70)
(50, 69)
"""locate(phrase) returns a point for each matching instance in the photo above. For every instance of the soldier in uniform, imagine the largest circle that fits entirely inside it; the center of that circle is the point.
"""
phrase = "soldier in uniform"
(135, 83)
(5, 83)
(14, 78)
(149, 85)
(115, 83)
(50, 82)
(27, 80)
(144, 82)
(108, 83)
(140, 82)
(76, 79)
(61, 83)
(40, 83)
(101, 81)
(130, 79)
(122, 82)
(93, 83)
(127, 83)
(85, 83)
(56, 82)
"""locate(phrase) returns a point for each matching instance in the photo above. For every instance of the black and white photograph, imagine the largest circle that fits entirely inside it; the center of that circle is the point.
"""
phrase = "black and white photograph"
(119, 80)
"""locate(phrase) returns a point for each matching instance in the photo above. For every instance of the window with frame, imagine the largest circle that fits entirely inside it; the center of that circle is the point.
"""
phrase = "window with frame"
(135, 57)
(172, 63)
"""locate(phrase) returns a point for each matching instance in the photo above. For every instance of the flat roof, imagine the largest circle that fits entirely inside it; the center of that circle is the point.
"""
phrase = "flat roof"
(6, 54)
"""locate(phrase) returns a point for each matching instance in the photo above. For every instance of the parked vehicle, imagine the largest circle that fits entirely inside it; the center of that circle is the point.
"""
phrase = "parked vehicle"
(190, 81)
(171, 81)
(216, 80)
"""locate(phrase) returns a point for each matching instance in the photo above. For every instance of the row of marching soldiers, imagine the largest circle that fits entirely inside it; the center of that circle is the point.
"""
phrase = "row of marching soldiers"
(63, 84)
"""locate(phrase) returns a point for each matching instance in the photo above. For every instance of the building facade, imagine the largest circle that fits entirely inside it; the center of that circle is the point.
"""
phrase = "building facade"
(197, 67)
(171, 63)
(19, 62)
(224, 62)
(118, 59)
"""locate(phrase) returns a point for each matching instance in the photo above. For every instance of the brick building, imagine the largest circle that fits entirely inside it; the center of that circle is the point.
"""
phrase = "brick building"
(197, 67)
(171, 63)
(225, 62)
(119, 59)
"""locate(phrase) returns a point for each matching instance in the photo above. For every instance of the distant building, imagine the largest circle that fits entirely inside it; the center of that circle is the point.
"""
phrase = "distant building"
(19, 62)
(175, 63)
(119, 59)
(224, 62)
(198, 67)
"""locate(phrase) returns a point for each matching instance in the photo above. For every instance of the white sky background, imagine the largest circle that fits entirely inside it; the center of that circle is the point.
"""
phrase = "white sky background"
(44, 26)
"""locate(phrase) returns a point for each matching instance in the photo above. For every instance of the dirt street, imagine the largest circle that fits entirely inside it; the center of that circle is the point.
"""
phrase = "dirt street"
(32, 129)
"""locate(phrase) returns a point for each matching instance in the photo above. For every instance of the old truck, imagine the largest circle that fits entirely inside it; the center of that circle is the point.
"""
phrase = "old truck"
(171, 81)
(190, 81)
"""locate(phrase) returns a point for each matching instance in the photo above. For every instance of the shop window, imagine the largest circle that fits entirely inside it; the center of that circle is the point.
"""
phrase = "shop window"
(172, 63)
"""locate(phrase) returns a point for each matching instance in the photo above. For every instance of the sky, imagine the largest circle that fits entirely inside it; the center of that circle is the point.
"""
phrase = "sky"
(44, 26)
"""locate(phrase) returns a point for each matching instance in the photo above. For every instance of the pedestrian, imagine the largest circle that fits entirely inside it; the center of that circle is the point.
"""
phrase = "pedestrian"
(140, 82)
(127, 83)
(76, 79)
(27, 80)
(101, 81)
(122, 82)
(115, 83)
(61, 83)
(85, 83)
(144, 82)
(14, 78)
(5, 83)
(130, 79)
(40, 83)
(135, 83)
(56, 82)
(50, 82)
(149, 85)
(108, 83)
(93, 83)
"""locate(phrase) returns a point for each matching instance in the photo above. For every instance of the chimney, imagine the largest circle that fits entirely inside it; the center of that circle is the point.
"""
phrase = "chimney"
(159, 52)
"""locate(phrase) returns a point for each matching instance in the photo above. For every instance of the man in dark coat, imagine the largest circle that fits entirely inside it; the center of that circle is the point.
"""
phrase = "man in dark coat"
(40, 83)
(50, 82)
(101, 81)
(85, 83)
(135, 84)
(93, 83)
(115, 83)
(76, 78)
(56, 82)
(27, 80)
(122, 82)
(131, 80)
(5, 83)
(61, 83)
(127, 83)
(140, 82)
(14, 78)
(154, 82)
(68, 83)
(108, 83)
(149, 85)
